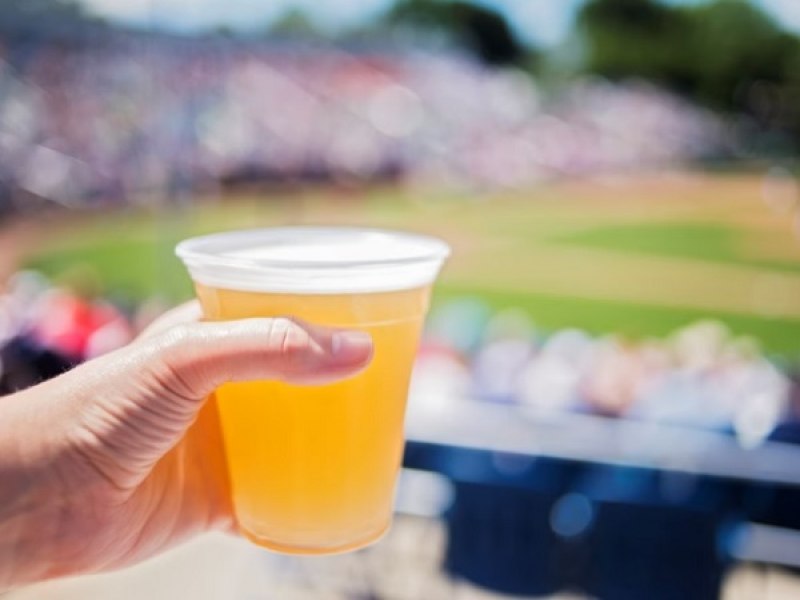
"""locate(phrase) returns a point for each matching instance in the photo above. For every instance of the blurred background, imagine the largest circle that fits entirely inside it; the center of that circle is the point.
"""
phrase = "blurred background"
(607, 401)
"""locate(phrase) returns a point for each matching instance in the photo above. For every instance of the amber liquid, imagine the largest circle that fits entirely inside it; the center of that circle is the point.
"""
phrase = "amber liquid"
(313, 468)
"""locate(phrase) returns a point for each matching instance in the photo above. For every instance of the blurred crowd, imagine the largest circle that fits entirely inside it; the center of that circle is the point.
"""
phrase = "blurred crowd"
(700, 376)
(47, 328)
(119, 116)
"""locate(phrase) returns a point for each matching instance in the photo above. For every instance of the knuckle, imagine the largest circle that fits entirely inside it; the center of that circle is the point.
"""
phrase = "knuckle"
(291, 341)
(171, 359)
(176, 344)
(178, 335)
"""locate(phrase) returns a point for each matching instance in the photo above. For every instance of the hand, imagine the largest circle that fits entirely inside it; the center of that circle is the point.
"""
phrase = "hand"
(120, 458)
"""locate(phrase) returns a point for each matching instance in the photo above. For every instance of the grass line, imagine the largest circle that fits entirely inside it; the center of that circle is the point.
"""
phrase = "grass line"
(636, 321)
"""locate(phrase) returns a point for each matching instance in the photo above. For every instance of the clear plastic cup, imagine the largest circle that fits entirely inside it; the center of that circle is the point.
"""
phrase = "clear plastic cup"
(312, 469)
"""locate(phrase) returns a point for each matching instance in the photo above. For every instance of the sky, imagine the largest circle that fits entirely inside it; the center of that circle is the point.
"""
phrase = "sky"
(542, 22)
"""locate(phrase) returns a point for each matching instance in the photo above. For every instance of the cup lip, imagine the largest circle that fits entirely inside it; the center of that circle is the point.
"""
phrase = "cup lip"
(191, 253)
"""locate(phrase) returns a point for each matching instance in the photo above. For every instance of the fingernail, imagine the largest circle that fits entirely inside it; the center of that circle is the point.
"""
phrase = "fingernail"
(349, 346)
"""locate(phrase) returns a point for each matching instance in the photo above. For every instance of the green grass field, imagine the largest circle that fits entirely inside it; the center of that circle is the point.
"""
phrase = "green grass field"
(634, 257)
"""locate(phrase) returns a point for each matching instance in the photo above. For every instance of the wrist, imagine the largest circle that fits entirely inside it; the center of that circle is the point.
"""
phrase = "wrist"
(29, 491)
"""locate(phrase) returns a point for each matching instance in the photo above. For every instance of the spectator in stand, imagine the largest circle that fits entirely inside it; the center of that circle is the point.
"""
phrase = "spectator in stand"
(127, 116)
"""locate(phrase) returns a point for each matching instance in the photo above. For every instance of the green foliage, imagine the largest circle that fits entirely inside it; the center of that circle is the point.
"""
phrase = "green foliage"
(294, 22)
(482, 29)
(726, 53)
(639, 38)
(734, 44)
(28, 9)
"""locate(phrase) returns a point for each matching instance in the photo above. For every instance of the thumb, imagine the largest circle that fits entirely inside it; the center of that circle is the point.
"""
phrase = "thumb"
(195, 358)
(139, 402)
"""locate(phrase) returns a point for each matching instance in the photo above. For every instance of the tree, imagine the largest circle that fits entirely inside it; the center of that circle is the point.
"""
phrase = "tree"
(483, 30)
(639, 38)
(726, 53)
(735, 44)
(294, 22)
(66, 9)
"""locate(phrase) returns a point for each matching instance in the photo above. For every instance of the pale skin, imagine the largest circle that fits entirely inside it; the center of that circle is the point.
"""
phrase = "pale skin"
(109, 464)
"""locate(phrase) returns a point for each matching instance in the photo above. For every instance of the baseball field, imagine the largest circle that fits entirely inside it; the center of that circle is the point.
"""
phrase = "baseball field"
(634, 256)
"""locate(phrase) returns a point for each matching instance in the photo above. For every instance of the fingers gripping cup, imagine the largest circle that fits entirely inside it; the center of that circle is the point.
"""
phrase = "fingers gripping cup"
(313, 468)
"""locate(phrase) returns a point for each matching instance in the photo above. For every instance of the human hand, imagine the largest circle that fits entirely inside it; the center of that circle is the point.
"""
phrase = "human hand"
(120, 458)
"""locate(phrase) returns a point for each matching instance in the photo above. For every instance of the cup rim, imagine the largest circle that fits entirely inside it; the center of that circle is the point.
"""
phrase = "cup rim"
(356, 263)
(190, 251)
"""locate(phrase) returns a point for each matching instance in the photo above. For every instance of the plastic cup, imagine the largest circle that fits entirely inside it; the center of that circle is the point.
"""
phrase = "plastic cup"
(312, 469)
